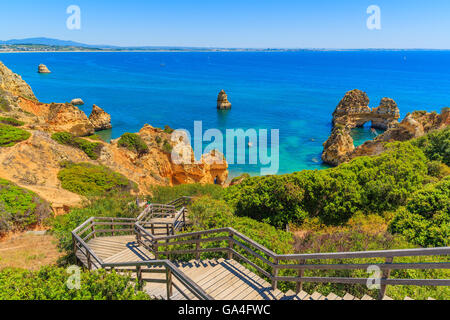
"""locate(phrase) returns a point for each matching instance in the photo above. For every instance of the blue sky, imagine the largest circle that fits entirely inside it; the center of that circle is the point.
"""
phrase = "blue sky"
(233, 23)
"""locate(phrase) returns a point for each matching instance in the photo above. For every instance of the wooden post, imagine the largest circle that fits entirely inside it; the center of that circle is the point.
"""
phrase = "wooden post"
(112, 226)
(139, 276)
(153, 228)
(230, 246)
(386, 274)
(184, 218)
(197, 248)
(300, 275)
(155, 250)
(168, 231)
(93, 228)
(169, 283)
(74, 241)
(89, 262)
(275, 274)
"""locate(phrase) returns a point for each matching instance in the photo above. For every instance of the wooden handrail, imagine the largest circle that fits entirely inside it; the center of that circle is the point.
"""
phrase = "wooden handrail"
(183, 278)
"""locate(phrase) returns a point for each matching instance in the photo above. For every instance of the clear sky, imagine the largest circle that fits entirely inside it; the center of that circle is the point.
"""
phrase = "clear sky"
(234, 23)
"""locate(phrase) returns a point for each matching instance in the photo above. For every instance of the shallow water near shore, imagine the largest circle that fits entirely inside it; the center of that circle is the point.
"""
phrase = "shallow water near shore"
(295, 92)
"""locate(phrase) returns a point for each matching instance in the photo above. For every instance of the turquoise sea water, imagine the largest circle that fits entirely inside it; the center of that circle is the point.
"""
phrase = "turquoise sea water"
(295, 92)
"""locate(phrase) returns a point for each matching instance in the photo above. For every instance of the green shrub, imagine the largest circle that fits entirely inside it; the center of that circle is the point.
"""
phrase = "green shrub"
(162, 194)
(425, 220)
(4, 103)
(20, 208)
(436, 145)
(92, 149)
(92, 180)
(10, 135)
(168, 129)
(50, 283)
(11, 121)
(167, 147)
(133, 142)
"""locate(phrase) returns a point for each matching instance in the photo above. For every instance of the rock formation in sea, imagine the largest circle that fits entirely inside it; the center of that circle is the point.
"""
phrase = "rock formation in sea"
(77, 102)
(100, 119)
(35, 163)
(222, 101)
(43, 69)
(338, 146)
(353, 111)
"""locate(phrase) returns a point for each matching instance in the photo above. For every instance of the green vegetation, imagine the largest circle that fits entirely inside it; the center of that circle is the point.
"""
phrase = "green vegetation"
(133, 142)
(436, 145)
(92, 149)
(20, 208)
(11, 121)
(425, 220)
(50, 283)
(163, 194)
(167, 147)
(168, 129)
(10, 135)
(92, 180)
(370, 184)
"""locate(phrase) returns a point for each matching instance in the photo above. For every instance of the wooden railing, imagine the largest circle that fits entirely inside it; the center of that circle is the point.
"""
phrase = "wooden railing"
(170, 270)
(181, 202)
(101, 226)
(268, 263)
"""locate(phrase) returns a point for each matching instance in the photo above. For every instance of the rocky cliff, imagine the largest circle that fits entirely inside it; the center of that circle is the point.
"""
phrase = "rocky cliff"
(100, 119)
(43, 69)
(353, 111)
(35, 163)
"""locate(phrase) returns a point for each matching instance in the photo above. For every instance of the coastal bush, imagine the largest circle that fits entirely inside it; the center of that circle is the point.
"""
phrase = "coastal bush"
(133, 142)
(165, 194)
(425, 220)
(92, 180)
(10, 135)
(92, 149)
(20, 208)
(11, 121)
(50, 283)
(168, 129)
(167, 147)
(4, 103)
(436, 145)
(369, 184)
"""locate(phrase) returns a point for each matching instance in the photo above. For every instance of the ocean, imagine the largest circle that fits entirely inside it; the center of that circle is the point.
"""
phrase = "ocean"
(295, 92)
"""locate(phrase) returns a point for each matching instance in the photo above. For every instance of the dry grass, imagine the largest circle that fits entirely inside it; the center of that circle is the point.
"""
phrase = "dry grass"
(28, 251)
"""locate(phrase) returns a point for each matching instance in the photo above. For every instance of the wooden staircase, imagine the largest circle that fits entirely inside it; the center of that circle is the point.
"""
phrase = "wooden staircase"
(128, 246)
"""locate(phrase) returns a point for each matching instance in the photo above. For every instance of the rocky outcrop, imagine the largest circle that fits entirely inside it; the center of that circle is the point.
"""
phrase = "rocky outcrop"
(222, 101)
(43, 69)
(338, 146)
(100, 119)
(354, 111)
(77, 102)
(35, 163)
(13, 83)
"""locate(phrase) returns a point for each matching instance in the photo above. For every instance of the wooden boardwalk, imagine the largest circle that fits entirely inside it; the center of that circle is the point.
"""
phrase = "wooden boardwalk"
(221, 279)
(135, 245)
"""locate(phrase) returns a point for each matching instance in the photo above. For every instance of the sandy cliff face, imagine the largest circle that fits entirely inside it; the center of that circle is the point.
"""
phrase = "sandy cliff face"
(35, 163)
(352, 111)
(100, 119)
